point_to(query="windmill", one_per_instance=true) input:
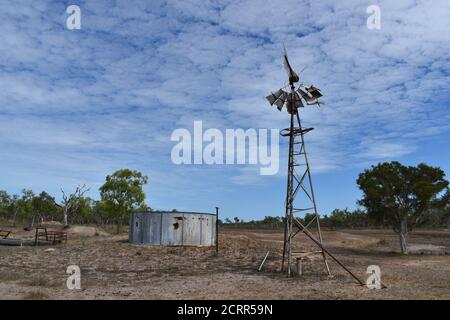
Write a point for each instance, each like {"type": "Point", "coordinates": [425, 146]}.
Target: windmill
{"type": "Point", "coordinates": [299, 181]}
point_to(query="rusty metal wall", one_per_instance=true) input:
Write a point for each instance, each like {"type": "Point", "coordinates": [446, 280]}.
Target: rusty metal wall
{"type": "Point", "coordinates": [173, 228]}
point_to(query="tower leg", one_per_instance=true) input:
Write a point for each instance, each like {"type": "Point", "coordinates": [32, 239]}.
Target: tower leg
{"type": "Point", "coordinates": [323, 252]}
{"type": "Point", "coordinates": [287, 220]}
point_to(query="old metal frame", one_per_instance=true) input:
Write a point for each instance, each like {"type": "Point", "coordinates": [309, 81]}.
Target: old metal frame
{"type": "Point", "coordinates": [296, 182]}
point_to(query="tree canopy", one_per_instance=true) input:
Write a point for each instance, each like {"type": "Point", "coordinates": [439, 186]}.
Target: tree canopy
{"type": "Point", "coordinates": [123, 192]}
{"type": "Point", "coordinates": [400, 196]}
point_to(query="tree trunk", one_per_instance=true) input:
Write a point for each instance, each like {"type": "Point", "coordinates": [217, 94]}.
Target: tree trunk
{"type": "Point", "coordinates": [119, 226]}
{"type": "Point", "coordinates": [14, 218]}
{"type": "Point", "coordinates": [404, 236]}
{"type": "Point", "coordinates": [65, 218]}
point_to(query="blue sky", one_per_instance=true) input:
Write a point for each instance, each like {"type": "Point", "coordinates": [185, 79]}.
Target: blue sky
{"type": "Point", "coordinates": [76, 105]}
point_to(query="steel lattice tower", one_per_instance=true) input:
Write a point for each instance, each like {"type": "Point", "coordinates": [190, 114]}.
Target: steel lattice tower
{"type": "Point", "coordinates": [298, 180]}
{"type": "Point", "coordinates": [300, 197]}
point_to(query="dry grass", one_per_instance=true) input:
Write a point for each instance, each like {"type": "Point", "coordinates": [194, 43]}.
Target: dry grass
{"type": "Point", "coordinates": [40, 281]}
{"type": "Point", "coordinates": [7, 276]}
{"type": "Point", "coordinates": [35, 295]}
{"type": "Point", "coordinates": [111, 268]}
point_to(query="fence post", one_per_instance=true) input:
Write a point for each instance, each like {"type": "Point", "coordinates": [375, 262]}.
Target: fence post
{"type": "Point", "coordinates": [217, 230]}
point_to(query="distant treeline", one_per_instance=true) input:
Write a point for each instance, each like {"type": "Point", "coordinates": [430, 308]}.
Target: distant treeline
{"type": "Point", "coordinates": [396, 196]}
{"type": "Point", "coordinates": [120, 195]}
{"type": "Point", "coordinates": [30, 209]}
{"type": "Point", "coordinates": [342, 219]}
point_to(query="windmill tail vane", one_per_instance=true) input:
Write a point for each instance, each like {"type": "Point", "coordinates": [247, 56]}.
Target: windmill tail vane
{"type": "Point", "coordinates": [293, 76]}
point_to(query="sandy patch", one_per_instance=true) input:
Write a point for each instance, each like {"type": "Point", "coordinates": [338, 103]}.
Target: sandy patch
{"type": "Point", "coordinates": [86, 231]}
{"type": "Point", "coordinates": [426, 249]}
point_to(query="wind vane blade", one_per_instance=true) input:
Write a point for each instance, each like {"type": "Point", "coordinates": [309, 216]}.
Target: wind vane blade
{"type": "Point", "coordinates": [293, 76]}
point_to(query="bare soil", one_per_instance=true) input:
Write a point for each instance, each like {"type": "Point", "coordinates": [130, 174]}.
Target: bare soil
{"type": "Point", "coordinates": [112, 268]}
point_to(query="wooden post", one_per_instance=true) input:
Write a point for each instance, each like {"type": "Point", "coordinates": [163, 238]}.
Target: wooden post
{"type": "Point", "coordinates": [217, 230]}
{"type": "Point", "coordinates": [264, 261]}
{"type": "Point", "coordinates": [299, 266]}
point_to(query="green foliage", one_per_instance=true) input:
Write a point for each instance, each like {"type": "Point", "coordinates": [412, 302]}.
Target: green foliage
{"type": "Point", "coordinates": [44, 207]}
{"type": "Point", "coordinates": [400, 196]}
{"type": "Point", "coordinates": [103, 212]}
{"type": "Point", "coordinates": [122, 193]}
{"type": "Point", "coordinates": [307, 218]}
{"type": "Point", "coordinates": [5, 205]}
{"type": "Point", "coordinates": [83, 210]}
{"type": "Point", "coordinates": [393, 192]}
{"type": "Point", "coordinates": [388, 189]}
{"type": "Point", "coordinates": [347, 219]}
{"type": "Point", "coordinates": [274, 222]}
{"type": "Point", "coordinates": [28, 207]}
{"type": "Point", "coordinates": [71, 202]}
{"type": "Point", "coordinates": [24, 205]}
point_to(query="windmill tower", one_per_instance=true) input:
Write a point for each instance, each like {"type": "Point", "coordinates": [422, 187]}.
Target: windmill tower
{"type": "Point", "coordinates": [300, 198]}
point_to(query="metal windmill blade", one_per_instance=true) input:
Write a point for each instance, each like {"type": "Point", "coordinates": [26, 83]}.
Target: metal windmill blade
{"type": "Point", "coordinates": [311, 95]}
{"type": "Point", "coordinates": [306, 96]}
{"type": "Point", "coordinates": [278, 98]}
{"type": "Point", "coordinates": [279, 103]}
{"type": "Point", "coordinates": [274, 96]}
{"type": "Point", "coordinates": [318, 103]}
{"type": "Point", "coordinates": [271, 98]}
{"type": "Point", "coordinates": [281, 100]}
{"type": "Point", "coordinates": [315, 92]}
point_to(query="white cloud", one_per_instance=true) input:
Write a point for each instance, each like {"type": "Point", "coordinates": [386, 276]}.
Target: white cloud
{"type": "Point", "coordinates": [136, 72]}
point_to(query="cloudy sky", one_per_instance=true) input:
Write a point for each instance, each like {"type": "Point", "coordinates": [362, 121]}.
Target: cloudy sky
{"type": "Point", "coordinates": [76, 105]}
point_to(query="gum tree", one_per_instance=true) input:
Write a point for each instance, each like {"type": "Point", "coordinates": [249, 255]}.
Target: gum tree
{"type": "Point", "coordinates": [24, 207]}
{"type": "Point", "coordinates": [122, 193]}
{"type": "Point", "coordinates": [446, 211]}
{"type": "Point", "coordinates": [5, 204]}
{"type": "Point", "coordinates": [400, 195]}
{"type": "Point", "coordinates": [43, 206]}
{"type": "Point", "coordinates": [71, 202]}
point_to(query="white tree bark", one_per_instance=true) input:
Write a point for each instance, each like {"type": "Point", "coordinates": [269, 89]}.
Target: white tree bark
{"type": "Point", "coordinates": [404, 236]}
{"type": "Point", "coordinates": [15, 215]}
{"type": "Point", "coordinates": [70, 202]}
